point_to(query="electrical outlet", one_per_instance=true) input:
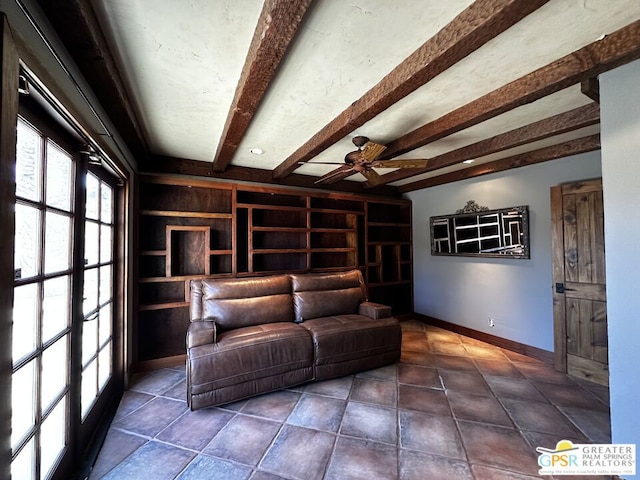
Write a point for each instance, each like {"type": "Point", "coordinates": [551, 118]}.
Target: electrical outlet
{"type": "Point", "coordinates": [492, 323]}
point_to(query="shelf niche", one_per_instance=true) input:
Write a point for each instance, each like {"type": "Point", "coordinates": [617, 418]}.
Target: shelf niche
{"type": "Point", "coordinates": [188, 250]}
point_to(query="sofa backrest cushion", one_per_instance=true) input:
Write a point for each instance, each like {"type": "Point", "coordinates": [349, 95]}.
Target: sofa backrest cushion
{"type": "Point", "coordinates": [242, 302]}
{"type": "Point", "coordinates": [324, 294]}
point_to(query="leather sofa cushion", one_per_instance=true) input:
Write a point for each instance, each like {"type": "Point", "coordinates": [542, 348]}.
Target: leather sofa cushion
{"type": "Point", "coordinates": [250, 353]}
{"type": "Point", "coordinates": [326, 294]}
{"type": "Point", "coordinates": [242, 302]}
{"type": "Point", "coordinates": [343, 338]}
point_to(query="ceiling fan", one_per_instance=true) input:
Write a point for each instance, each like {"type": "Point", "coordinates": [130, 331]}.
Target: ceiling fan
{"type": "Point", "coordinates": [364, 161]}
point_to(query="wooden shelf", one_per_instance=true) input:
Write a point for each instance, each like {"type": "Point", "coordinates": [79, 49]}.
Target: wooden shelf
{"type": "Point", "coordinates": [153, 253]}
{"type": "Point", "coordinates": [183, 214]}
{"type": "Point", "coordinates": [162, 306]}
{"type": "Point", "coordinates": [280, 229]}
{"type": "Point", "coordinates": [264, 251]}
{"type": "Point", "coordinates": [332, 210]}
{"type": "Point", "coordinates": [255, 206]}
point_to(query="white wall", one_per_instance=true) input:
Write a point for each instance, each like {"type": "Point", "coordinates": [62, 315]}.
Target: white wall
{"type": "Point", "coordinates": [620, 117]}
{"type": "Point", "coordinates": [516, 293]}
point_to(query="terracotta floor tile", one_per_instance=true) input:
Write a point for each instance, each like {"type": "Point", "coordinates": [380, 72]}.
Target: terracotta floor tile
{"type": "Point", "coordinates": [484, 352]}
{"type": "Point", "coordinates": [153, 460]}
{"type": "Point", "coordinates": [214, 469]}
{"type": "Point", "coordinates": [397, 421]}
{"type": "Point", "coordinates": [388, 373]}
{"type": "Point", "coordinates": [469, 382]}
{"type": "Point", "coordinates": [374, 391]}
{"type": "Point", "coordinates": [274, 406]}
{"type": "Point", "coordinates": [570, 396]}
{"type": "Point", "coordinates": [514, 388]}
{"type": "Point", "coordinates": [423, 400]}
{"type": "Point", "coordinates": [421, 466]}
{"type": "Point", "coordinates": [157, 381]}
{"type": "Point", "coordinates": [539, 417]}
{"type": "Point", "coordinates": [354, 458]}
{"type": "Point", "coordinates": [244, 439]}
{"type": "Point", "coordinates": [595, 424]}
{"type": "Point", "coordinates": [422, 376]}
{"type": "Point", "coordinates": [299, 453]}
{"type": "Point", "coordinates": [481, 472]}
{"type": "Point", "coordinates": [115, 449]}
{"type": "Point", "coordinates": [131, 401]}
{"type": "Point", "coordinates": [430, 434]}
{"type": "Point", "coordinates": [478, 408]}
{"type": "Point", "coordinates": [455, 363]}
{"type": "Point", "coordinates": [194, 430]}
{"type": "Point", "coordinates": [370, 422]}
{"type": "Point", "coordinates": [336, 387]}
{"type": "Point", "coordinates": [543, 373]}
{"type": "Point", "coordinates": [442, 336]}
{"type": "Point", "coordinates": [417, 358]}
{"type": "Point", "coordinates": [446, 348]}
{"type": "Point", "coordinates": [489, 366]}
{"type": "Point", "coordinates": [499, 447]}
{"type": "Point", "coordinates": [319, 413]}
{"type": "Point", "coordinates": [152, 417]}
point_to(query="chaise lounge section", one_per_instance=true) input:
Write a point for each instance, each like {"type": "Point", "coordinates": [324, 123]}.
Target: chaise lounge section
{"type": "Point", "coordinates": [254, 335]}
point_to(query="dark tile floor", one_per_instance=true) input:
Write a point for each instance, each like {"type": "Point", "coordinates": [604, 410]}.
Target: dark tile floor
{"type": "Point", "coordinates": [452, 408]}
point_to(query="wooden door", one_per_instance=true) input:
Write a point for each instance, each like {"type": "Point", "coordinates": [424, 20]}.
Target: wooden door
{"type": "Point", "coordinates": [579, 298]}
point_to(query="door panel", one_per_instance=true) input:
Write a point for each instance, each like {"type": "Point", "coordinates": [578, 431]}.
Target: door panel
{"type": "Point", "coordinates": [580, 319]}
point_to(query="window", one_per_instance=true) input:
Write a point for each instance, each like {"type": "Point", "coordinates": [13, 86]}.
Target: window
{"type": "Point", "coordinates": [42, 298]}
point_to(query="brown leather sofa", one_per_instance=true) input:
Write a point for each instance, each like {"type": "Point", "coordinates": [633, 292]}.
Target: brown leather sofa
{"type": "Point", "coordinates": [254, 335]}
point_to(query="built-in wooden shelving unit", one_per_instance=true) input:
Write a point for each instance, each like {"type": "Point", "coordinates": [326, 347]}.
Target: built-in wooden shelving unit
{"type": "Point", "coordinates": [191, 228]}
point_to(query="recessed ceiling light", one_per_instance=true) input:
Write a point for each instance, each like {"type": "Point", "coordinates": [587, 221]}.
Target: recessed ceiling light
{"type": "Point", "coordinates": [468, 161]}
{"type": "Point", "coordinates": [257, 151]}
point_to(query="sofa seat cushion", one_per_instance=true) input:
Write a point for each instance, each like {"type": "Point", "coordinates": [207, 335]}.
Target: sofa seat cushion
{"type": "Point", "coordinates": [248, 354]}
{"type": "Point", "coordinates": [344, 338]}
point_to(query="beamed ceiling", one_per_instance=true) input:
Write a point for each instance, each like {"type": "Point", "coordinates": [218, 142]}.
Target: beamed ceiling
{"type": "Point", "coordinates": [194, 85]}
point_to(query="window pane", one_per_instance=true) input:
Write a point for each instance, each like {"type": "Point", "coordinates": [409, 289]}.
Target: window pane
{"type": "Point", "coordinates": [25, 314]}
{"type": "Point", "coordinates": [89, 391]}
{"type": "Point", "coordinates": [54, 371]}
{"type": "Point", "coordinates": [27, 244]}
{"type": "Point", "coordinates": [105, 284]}
{"type": "Point", "coordinates": [89, 340]}
{"type": "Point", "coordinates": [90, 291]}
{"type": "Point", "coordinates": [22, 466]}
{"type": "Point", "coordinates": [104, 325]}
{"type": "Point", "coordinates": [104, 366]}
{"type": "Point", "coordinates": [55, 307]}
{"type": "Point", "coordinates": [53, 437]}
{"type": "Point", "coordinates": [105, 244]}
{"type": "Point", "coordinates": [59, 187]}
{"type": "Point", "coordinates": [90, 243]}
{"type": "Point", "coordinates": [22, 402]}
{"type": "Point", "coordinates": [56, 242]}
{"type": "Point", "coordinates": [28, 162]}
{"type": "Point", "coordinates": [106, 205]}
{"type": "Point", "coordinates": [93, 187]}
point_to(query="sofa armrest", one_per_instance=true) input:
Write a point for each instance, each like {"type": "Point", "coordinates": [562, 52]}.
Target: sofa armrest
{"type": "Point", "coordinates": [374, 310]}
{"type": "Point", "coordinates": [201, 333]}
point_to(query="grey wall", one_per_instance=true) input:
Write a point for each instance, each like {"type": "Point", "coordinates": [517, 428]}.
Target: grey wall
{"type": "Point", "coordinates": [620, 117]}
{"type": "Point", "coordinates": [516, 293]}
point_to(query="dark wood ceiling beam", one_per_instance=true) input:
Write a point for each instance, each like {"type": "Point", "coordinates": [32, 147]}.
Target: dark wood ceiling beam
{"type": "Point", "coordinates": [618, 48]}
{"type": "Point", "coordinates": [76, 23]}
{"type": "Point", "coordinates": [591, 88]}
{"type": "Point", "coordinates": [472, 28]}
{"type": "Point", "coordinates": [572, 147]}
{"type": "Point", "coordinates": [558, 124]}
{"type": "Point", "coordinates": [276, 28]}
{"type": "Point", "coordinates": [197, 168]}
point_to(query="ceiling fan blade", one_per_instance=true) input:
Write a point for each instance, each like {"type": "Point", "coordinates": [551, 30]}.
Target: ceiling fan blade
{"type": "Point", "coordinates": [373, 177]}
{"type": "Point", "coordinates": [400, 163]}
{"type": "Point", "coordinates": [371, 151]}
{"type": "Point", "coordinates": [335, 175]}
